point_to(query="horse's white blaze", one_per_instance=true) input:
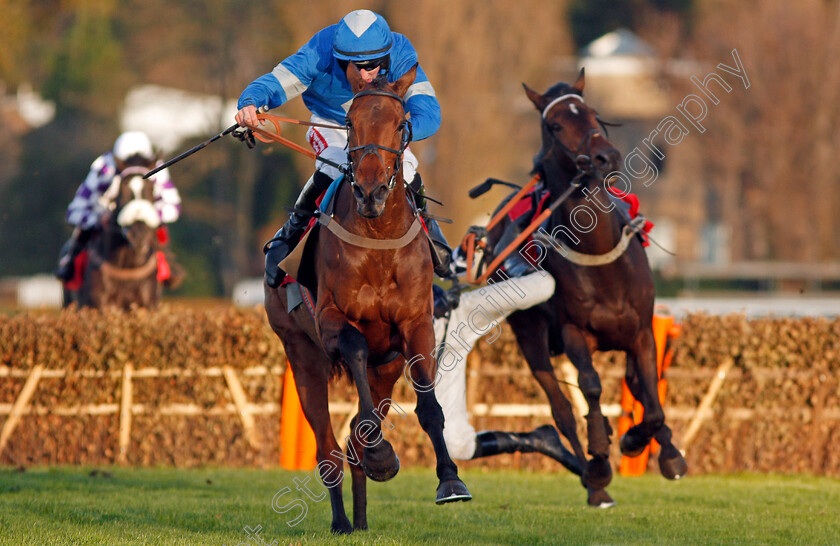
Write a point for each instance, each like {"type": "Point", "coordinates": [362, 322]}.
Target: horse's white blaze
{"type": "Point", "coordinates": [136, 186]}
{"type": "Point", "coordinates": [574, 109]}
{"type": "Point", "coordinates": [139, 210]}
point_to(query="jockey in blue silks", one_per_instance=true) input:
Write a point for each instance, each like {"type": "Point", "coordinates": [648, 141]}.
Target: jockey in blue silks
{"type": "Point", "coordinates": [318, 73]}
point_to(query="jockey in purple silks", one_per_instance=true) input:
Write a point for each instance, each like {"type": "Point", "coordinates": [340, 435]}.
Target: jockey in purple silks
{"type": "Point", "coordinates": [318, 72]}
{"type": "Point", "coordinates": [87, 208]}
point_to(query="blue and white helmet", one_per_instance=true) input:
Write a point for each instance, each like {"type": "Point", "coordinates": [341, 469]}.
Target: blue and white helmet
{"type": "Point", "coordinates": [362, 35]}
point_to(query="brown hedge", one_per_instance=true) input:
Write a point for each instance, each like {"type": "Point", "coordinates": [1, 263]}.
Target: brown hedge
{"type": "Point", "coordinates": [785, 374]}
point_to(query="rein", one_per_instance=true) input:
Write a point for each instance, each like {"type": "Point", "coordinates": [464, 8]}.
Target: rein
{"type": "Point", "coordinates": [267, 137]}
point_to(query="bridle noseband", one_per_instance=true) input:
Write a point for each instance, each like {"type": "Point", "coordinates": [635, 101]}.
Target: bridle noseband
{"type": "Point", "coordinates": [373, 149]}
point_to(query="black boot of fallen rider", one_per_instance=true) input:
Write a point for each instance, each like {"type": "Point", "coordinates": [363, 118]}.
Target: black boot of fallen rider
{"type": "Point", "coordinates": [544, 439]}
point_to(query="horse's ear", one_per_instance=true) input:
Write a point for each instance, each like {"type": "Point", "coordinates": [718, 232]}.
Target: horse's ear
{"type": "Point", "coordinates": [401, 85]}
{"type": "Point", "coordinates": [539, 101]}
{"type": "Point", "coordinates": [579, 82]}
{"type": "Point", "coordinates": [354, 76]}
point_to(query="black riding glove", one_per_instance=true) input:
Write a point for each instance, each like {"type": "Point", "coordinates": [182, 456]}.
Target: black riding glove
{"type": "Point", "coordinates": [245, 135]}
{"type": "Point", "coordinates": [446, 300]}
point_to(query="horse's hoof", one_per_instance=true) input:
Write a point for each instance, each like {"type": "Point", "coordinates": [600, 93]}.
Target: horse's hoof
{"type": "Point", "coordinates": [672, 464]}
{"type": "Point", "coordinates": [341, 527]}
{"type": "Point", "coordinates": [599, 498]}
{"type": "Point", "coordinates": [632, 445]}
{"type": "Point", "coordinates": [598, 473]}
{"type": "Point", "coordinates": [452, 491]}
{"type": "Point", "coordinates": [381, 463]}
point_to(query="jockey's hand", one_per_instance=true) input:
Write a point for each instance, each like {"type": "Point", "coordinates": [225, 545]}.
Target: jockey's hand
{"type": "Point", "coordinates": [453, 295]}
{"type": "Point", "coordinates": [247, 116]}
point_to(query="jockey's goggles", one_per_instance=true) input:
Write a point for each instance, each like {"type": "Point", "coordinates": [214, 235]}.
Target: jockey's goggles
{"type": "Point", "coordinates": [369, 64]}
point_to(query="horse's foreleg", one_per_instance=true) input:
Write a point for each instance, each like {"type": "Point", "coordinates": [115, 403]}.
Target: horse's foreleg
{"type": "Point", "coordinates": [420, 370]}
{"type": "Point", "coordinates": [339, 337]}
{"type": "Point", "coordinates": [642, 379]}
{"type": "Point", "coordinates": [598, 472]}
{"type": "Point", "coordinates": [312, 371]}
{"type": "Point", "coordinates": [357, 473]}
{"type": "Point", "coordinates": [312, 386]}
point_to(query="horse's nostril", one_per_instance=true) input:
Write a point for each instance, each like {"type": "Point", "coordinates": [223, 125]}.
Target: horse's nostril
{"type": "Point", "coordinates": [381, 193]}
{"type": "Point", "coordinates": [358, 193]}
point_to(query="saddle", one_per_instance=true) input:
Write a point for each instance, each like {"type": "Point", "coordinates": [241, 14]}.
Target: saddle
{"type": "Point", "coordinates": [534, 202]}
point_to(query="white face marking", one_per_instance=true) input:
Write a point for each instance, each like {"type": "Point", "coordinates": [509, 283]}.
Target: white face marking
{"type": "Point", "coordinates": [136, 185]}
{"type": "Point", "coordinates": [573, 108]}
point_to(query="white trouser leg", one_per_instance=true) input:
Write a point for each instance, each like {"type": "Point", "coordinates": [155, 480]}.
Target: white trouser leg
{"type": "Point", "coordinates": [331, 144]}
{"type": "Point", "coordinates": [477, 315]}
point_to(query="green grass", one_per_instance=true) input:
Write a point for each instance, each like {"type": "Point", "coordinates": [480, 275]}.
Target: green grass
{"type": "Point", "coordinates": [67, 505]}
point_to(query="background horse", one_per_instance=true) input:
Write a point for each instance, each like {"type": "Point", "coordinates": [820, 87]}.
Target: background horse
{"type": "Point", "coordinates": [373, 306]}
{"type": "Point", "coordinates": [122, 260]}
{"type": "Point", "coordinates": [604, 297]}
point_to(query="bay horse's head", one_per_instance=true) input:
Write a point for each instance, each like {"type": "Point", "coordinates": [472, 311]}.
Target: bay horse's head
{"type": "Point", "coordinates": [378, 133]}
{"type": "Point", "coordinates": [572, 132]}
{"type": "Point", "coordinates": [134, 214]}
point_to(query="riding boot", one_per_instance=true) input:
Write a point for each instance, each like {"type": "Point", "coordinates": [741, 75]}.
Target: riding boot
{"type": "Point", "coordinates": [441, 251]}
{"type": "Point", "coordinates": [544, 439]}
{"type": "Point", "coordinates": [66, 260]}
{"type": "Point", "coordinates": [288, 236]}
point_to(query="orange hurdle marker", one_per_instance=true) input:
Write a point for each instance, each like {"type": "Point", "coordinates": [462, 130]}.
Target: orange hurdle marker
{"type": "Point", "coordinates": [664, 329]}
{"type": "Point", "coordinates": [297, 440]}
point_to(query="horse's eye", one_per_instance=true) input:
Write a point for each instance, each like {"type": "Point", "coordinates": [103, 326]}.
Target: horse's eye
{"type": "Point", "coordinates": [556, 127]}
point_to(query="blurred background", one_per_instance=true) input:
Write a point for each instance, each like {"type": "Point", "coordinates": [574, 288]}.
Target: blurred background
{"type": "Point", "coordinates": [751, 205]}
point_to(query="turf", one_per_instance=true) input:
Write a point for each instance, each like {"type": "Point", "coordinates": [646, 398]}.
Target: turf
{"type": "Point", "coordinates": [73, 505]}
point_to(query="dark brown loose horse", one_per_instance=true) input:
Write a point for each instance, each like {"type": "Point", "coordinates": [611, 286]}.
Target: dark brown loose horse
{"type": "Point", "coordinates": [373, 315]}
{"type": "Point", "coordinates": [604, 294]}
{"type": "Point", "coordinates": [122, 261]}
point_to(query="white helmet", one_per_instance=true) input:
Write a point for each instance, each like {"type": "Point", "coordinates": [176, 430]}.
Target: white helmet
{"type": "Point", "coordinates": [133, 143]}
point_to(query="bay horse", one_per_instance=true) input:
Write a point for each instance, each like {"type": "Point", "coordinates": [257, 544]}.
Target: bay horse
{"type": "Point", "coordinates": [604, 296]}
{"type": "Point", "coordinates": [372, 309]}
{"type": "Point", "coordinates": [122, 259]}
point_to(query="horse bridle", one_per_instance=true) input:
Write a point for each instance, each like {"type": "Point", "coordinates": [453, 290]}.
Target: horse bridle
{"type": "Point", "coordinates": [374, 149]}
{"type": "Point", "coordinates": [582, 161]}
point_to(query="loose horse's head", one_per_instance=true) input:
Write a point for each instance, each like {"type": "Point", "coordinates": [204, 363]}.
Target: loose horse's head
{"type": "Point", "coordinates": [572, 130]}
{"type": "Point", "coordinates": [134, 212]}
{"type": "Point", "coordinates": [377, 134]}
